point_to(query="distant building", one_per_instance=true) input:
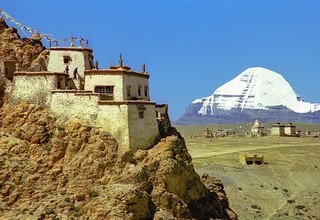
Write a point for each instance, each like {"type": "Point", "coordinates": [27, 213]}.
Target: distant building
{"type": "Point", "coordinates": [116, 99]}
{"type": "Point", "coordinates": [249, 159]}
{"type": "Point", "coordinates": [208, 133]}
{"type": "Point", "coordinates": [279, 129]}
{"type": "Point", "coordinates": [290, 129]}
{"type": "Point", "coordinates": [257, 129]}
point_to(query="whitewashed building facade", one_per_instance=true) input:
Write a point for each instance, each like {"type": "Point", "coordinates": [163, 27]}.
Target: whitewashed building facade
{"type": "Point", "coordinates": [116, 99]}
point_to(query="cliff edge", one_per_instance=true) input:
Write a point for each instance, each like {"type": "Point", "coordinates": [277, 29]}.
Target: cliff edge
{"type": "Point", "coordinates": [29, 53]}
{"type": "Point", "coordinates": [55, 170]}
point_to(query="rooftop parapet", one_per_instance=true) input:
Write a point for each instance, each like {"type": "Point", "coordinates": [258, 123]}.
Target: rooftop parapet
{"type": "Point", "coordinates": [116, 71]}
{"type": "Point", "coordinates": [39, 73]}
{"type": "Point", "coordinates": [71, 49]}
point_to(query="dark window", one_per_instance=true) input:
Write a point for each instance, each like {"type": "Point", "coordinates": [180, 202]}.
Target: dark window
{"type": "Point", "coordinates": [139, 90]}
{"type": "Point", "coordinates": [249, 162]}
{"type": "Point", "coordinates": [140, 114]}
{"type": "Point", "coordinates": [66, 59]}
{"type": "Point", "coordinates": [128, 91]}
{"type": "Point", "coordinates": [146, 91]}
{"type": "Point", "coordinates": [104, 90]}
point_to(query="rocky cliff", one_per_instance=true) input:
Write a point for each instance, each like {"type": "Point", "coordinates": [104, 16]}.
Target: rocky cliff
{"type": "Point", "coordinates": [53, 169]}
{"type": "Point", "coordinates": [29, 53]}
{"type": "Point", "coordinates": [68, 170]}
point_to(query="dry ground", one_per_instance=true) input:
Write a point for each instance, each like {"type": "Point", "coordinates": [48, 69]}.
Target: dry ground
{"type": "Point", "coordinates": [286, 187]}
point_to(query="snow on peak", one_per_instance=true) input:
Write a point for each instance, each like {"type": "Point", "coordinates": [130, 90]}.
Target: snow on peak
{"type": "Point", "coordinates": [198, 100]}
{"type": "Point", "coordinates": [255, 88]}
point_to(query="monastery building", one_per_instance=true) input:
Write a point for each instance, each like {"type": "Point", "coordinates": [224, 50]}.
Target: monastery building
{"type": "Point", "coordinates": [116, 99]}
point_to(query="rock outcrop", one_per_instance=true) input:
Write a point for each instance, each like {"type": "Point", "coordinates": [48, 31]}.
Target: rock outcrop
{"type": "Point", "coordinates": [5, 85]}
{"type": "Point", "coordinates": [54, 169]}
{"type": "Point", "coordinates": [25, 51]}
{"type": "Point", "coordinates": [51, 169]}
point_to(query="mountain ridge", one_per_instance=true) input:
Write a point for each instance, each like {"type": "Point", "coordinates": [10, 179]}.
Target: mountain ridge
{"type": "Point", "coordinates": [255, 91]}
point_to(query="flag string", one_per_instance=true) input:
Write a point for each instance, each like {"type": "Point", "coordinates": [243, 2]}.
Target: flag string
{"type": "Point", "coordinates": [48, 37]}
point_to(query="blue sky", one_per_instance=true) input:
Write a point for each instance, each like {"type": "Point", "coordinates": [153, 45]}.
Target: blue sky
{"type": "Point", "coordinates": [190, 47]}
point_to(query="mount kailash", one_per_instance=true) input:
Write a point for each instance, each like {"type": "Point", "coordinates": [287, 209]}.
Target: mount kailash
{"type": "Point", "coordinates": [255, 91]}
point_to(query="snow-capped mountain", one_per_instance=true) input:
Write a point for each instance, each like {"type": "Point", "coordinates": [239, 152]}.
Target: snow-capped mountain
{"type": "Point", "coordinates": [256, 90]}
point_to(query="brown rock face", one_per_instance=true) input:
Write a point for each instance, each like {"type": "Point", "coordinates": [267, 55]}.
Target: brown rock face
{"type": "Point", "coordinates": [25, 50]}
{"type": "Point", "coordinates": [68, 170]}
{"type": "Point", "coordinates": [4, 83]}
{"type": "Point", "coordinates": [55, 170]}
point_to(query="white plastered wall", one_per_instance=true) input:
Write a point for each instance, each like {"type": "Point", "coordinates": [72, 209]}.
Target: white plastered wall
{"type": "Point", "coordinates": [79, 59]}
{"type": "Point", "coordinates": [142, 131]}
{"type": "Point", "coordinates": [70, 105]}
{"type": "Point", "coordinates": [106, 80]}
{"type": "Point", "coordinates": [121, 121]}
{"type": "Point", "coordinates": [33, 89]}
{"type": "Point", "coordinates": [114, 119]}
{"type": "Point", "coordinates": [134, 82]}
{"type": "Point", "coordinates": [111, 118]}
{"type": "Point", "coordinates": [275, 131]}
{"type": "Point", "coordinates": [289, 130]}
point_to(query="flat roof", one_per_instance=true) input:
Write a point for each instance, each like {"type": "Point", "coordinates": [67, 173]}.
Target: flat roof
{"type": "Point", "coordinates": [118, 71]}
{"type": "Point", "coordinates": [71, 49]}
{"type": "Point", "coordinates": [74, 91]}
{"type": "Point", "coordinates": [126, 102]}
{"type": "Point", "coordinates": [282, 125]}
{"type": "Point", "coordinates": [161, 105]}
{"type": "Point", "coordinates": [39, 73]}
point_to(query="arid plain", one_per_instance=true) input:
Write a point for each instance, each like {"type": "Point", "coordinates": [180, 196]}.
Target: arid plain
{"type": "Point", "coordinates": [286, 186]}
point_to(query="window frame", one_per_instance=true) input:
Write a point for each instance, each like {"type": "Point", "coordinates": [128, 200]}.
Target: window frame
{"type": "Point", "coordinates": [105, 89]}
{"type": "Point", "coordinates": [105, 95]}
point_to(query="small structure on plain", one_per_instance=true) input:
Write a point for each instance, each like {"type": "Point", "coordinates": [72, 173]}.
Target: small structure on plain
{"type": "Point", "coordinates": [249, 159]}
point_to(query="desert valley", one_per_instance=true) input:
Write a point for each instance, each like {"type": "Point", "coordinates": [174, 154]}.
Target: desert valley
{"type": "Point", "coordinates": [284, 187]}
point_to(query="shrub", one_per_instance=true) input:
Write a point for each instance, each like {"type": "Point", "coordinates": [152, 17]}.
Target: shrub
{"type": "Point", "coordinates": [94, 193]}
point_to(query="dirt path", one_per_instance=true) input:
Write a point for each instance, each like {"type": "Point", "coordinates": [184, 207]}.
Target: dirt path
{"type": "Point", "coordinates": [231, 151]}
